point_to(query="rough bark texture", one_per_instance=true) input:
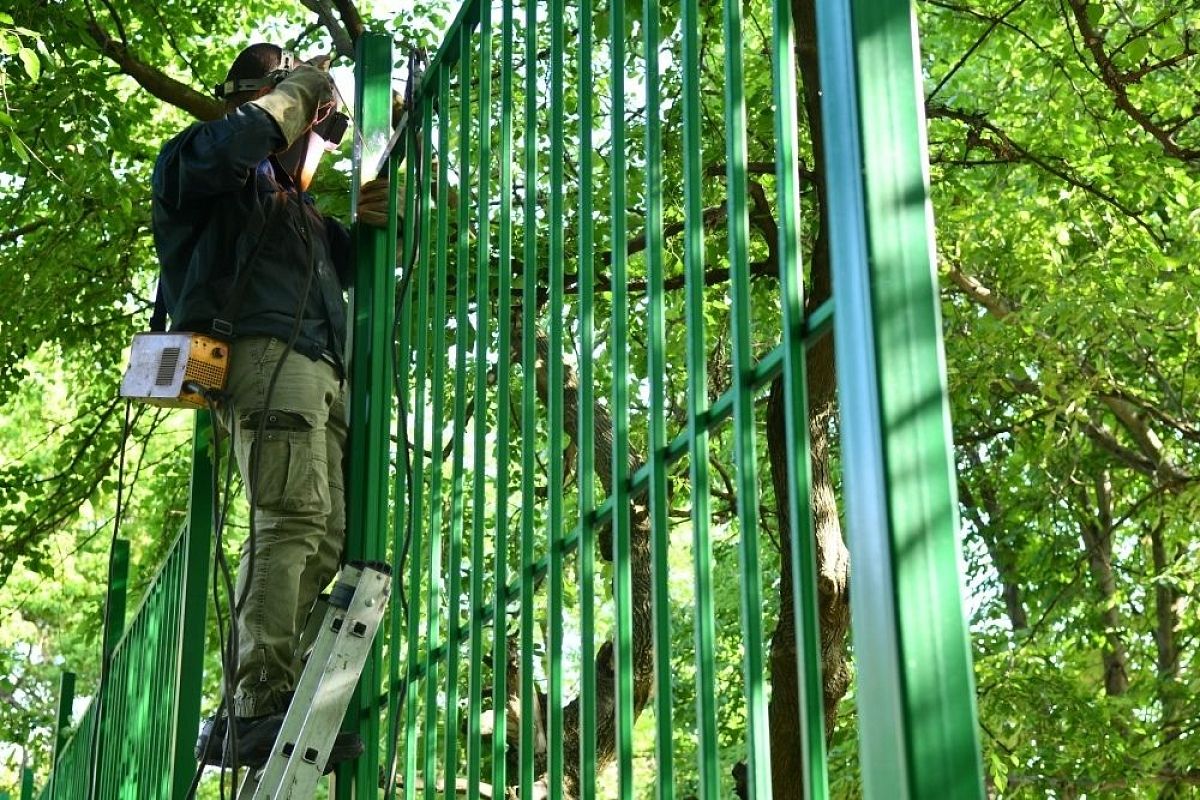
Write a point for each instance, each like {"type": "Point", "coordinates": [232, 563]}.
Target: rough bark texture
{"type": "Point", "coordinates": [1097, 536]}
{"type": "Point", "coordinates": [787, 755]}
{"type": "Point", "coordinates": [1172, 696]}
{"type": "Point", "coordinates": [643, 627]}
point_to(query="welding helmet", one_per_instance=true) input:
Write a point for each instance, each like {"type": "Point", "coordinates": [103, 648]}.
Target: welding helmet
{"type": "Point", "coordinates": [301, 160]}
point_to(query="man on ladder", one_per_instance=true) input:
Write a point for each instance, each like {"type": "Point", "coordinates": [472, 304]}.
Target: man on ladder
{"type": "Point", "coordinates": [246, 256]}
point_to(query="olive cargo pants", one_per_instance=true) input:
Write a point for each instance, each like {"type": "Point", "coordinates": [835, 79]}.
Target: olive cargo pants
{"type": "Point", "coordinates": [294, 479]}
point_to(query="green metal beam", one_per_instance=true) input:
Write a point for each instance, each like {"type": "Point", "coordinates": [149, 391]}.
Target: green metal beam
{"type": "Point", "coordinates": [66, 698]}
{"type": "Point", "coordinates": [480, 477]}
{"type": "Point", "coordinates": [619, 349]}
{"type": "Point", "coordinates": [114, 627]}
{"type": "Point", "coordinates": [656, 334]}
{"type": "Point", "coordinates": [193, 610]}
{"type": "Point", "coordinates": [916, 699]}
{"type": "Point", "coordinates": [791, 278]}
{"type": "Point", "coordinates": [370, 401]}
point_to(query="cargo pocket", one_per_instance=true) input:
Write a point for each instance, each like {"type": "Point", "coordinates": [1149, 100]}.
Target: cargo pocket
{"type": "Point", "coordinates": [291, 474]}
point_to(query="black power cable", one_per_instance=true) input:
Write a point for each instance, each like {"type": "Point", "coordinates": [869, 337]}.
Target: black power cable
{"type": "Point", "coordinates": [415, 57]}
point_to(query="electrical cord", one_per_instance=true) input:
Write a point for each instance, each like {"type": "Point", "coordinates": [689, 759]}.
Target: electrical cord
{"type": "Point", "coordinates": [413, 249]}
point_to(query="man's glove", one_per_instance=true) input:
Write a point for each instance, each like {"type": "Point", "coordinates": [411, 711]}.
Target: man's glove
{"type": "Point", "coordinates": [373, 202]}
{"type": "Point", "coordinates": [293, 103]}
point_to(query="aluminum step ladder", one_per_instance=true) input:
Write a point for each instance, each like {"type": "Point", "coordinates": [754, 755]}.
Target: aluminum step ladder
{"type": "Point", "coordinates": [301, 751]}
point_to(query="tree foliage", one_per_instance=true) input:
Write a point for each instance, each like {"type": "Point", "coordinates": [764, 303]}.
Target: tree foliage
{"type": "Point", "coordinates": [1065, 150]}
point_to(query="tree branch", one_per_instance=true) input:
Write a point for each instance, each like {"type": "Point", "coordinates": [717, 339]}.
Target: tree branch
{"type": "Point", "coordinates": [1118, 81]}
{"type": "Point", "coordinates": [342, 41]}
{"type": "Point", "coordinates": [1004, 148]}
{"type": "Point", "coordinates": [155, 81]}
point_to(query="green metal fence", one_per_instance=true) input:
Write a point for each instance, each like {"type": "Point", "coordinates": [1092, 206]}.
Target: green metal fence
{"type": "Point", "coordinates": [569, 336]}
{"type": "Point", "coordinates": [135, 739]}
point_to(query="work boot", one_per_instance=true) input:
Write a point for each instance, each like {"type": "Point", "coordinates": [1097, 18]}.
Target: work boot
{"type": "Point", "coordinates": [255, 738]}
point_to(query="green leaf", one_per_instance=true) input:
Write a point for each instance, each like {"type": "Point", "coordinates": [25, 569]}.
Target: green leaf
{"type": "Point", "coordinates": [1095, 12]}
{"type": "Point", "coordinates": [1138, 48]}
{"type": "Point", "coordinates": [18, 146]}
{"type": "Point", "coordinates": [30, 61]}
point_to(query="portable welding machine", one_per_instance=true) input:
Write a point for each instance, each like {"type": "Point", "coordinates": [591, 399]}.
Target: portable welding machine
{"type": "Point", "coordinates": [175, 370]}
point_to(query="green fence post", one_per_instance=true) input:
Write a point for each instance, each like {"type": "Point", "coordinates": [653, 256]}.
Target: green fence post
{"type": "Point", "coordinates": [479, 453]}
{"type": "Point", "coordinates": [189, 648]}
{"type": "Point", "coordinates": [585, 406]}
{"type": "Point", "coordinates": [370, 401]}
{"type": "Point", "coordinates": [114, 625]}
{"type": "Point", "coordinates": [528, 403]}
{"type": "Point", "coordinates": [916, 699]}
{"type": "Point", "coordinates": [697, 354]}
{"type": "Point", "coordinates": [66, 699]}
{"type": "Point", "coordinates": [503, 401]}
{"type": "Point", "coordinates": [622, 534]}
{"type": "Point", "coordinates": [26, 784]}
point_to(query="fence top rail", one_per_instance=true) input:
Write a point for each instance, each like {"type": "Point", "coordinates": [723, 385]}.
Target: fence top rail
{"type": "Point", "coordinates": [145, 598]}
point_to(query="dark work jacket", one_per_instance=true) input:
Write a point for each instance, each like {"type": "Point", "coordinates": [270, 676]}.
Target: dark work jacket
{"type": "Point", "coordinates": [220, 205]}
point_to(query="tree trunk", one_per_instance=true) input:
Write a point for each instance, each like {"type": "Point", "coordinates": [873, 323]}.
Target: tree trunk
{"type": "Point", "coordinates": [1097, 536]}
{"type": "Point", "coordinates": [1172, 697]}
{"type": "Point", "coordinates": [643, 624]}
{"type": "Point", "coordinates": [833, 564]}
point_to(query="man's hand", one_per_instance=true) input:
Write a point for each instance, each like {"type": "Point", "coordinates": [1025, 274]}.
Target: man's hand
{"type": "Point", "coordinates": [373, 202]}
{"type": "Point", "coordinates": [293, 103]}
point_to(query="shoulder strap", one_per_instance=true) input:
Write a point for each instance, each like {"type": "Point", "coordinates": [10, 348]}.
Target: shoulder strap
{"type": "Point", "coordinates": [158, 317]}
{"type": "Point", "coordinates": [222, 324]}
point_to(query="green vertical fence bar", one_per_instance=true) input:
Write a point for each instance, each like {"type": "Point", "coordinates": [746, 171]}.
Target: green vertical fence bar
{"type": "Point", "coordinates": [697, 356]}
{"type": "Point", "coordinates": [656, 335]}
{"type": "Point", "coordinates": [114, 626]}
{"type": "Point", "coordinates": [618, 348]}
{"type": "Point", "coordinates": [917, 721]}
{"type": "Point", "coordinates": [586, 424]}
{"type": "Point", "coordinates": [758, 756]}
{"type": "Point", "coordinates": [503, 403]}
{"type": "Point", "coordinates": [26, 784]}
{"type": "Point", "coordinates": [422, 285]}
{"type": "Point", "coordinates": [462, 291]}
{"type": "Point", "coordinates": [62, 727]}
{"type": "Point", "coordinates": [554, 406]}
{"type": "Point", "coordinates": [193, 608]}
{"type": "Point", "coordinates": [804, 575]}
{"type": "Point", "coordinates": [433, 634]}
{"type": "Point", "coordinates": [406, 482]}
{"type": "Point", "coordinates": [370, 402]}
{"type": "Point", "coordinates": [528, 418]}
{"type": "Point", "coordinates": [478, 467]}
